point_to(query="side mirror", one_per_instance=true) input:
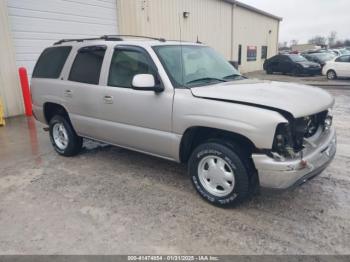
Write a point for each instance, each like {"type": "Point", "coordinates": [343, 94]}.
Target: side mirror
{"type": "Point", "coordinates": [234, 64]}
{"type": "Point", "coordinates": [145, 82]}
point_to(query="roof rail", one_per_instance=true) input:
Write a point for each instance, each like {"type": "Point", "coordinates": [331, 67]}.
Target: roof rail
{"type": "Point", "coordinates": [107, 38]}
{"type": "Point", "coordinates": [112, 37]}
{"type": "Point", "coordinates": [75, 40]}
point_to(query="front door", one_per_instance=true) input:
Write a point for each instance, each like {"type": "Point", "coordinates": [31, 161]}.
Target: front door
{"type": "Point", "coordinates": [141, 120]}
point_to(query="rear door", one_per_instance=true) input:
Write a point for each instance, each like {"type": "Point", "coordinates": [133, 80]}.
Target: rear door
{"type": "Point", "coordinates": [81, 90]}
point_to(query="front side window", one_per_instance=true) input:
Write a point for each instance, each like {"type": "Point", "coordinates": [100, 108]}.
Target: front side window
{"type": "Point", "coordinates": [191, 65]}
{"type": "Point", "coordinates": [87, 65]}
{"type": "Point", "coordinates": [125, 65]}
{"type": "Point", "coordinates": [51, 62]}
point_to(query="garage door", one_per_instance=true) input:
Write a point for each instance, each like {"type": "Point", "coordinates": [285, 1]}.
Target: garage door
{"type": "Point", "coordinates": [36, 24]}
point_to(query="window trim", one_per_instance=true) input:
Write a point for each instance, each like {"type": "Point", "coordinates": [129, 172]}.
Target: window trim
{"type": "Point", "coordinates": [262, 51]}
{"type": "Point", "coordinates": [337, 60]}
{"type": "Point", "coordinates": [82, 50]}
{"type": "Point", "coordinates": [65, 62]}
{"type": "Point", "coordinates": [133, 48]}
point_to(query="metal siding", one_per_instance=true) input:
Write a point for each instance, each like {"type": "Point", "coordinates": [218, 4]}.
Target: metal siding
{"type": "Point", "coordinates": [252, 29]}
{"type": "Point", "coordinates": [209, 20]}
{"type": "Point", "coordinates": [10, 91]}
{"type": "Point", "coordinates": [36, 24]}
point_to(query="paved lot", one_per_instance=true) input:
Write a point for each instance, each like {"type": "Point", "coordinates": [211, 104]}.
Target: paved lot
{"type": "Point", "coordinates": [308, 80]}
{"type": "Point", "coordinates": [113, 201]}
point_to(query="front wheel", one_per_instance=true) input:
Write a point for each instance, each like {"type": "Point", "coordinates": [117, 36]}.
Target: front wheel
{"type": "Point", "coordinates": [219, 174]}
{"type": "Point", "coordinates": [63, 137]}
{"type": "Point", "coordinates": [331, 75]}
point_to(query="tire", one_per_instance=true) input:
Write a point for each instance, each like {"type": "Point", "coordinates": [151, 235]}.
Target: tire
{"type": "Point", "coordinates": [63, 137]}
{"type": "Point", "coordinates": [331, 75]}
{"type": "Point", "coordinates": [216, 187]}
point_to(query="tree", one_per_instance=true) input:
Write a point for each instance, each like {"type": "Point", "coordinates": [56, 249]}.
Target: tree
{"type": "Point", "coordinates": [318, 40]}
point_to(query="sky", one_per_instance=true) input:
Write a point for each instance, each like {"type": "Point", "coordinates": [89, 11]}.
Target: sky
{"type": "Point", "coordinates": [303, 19]}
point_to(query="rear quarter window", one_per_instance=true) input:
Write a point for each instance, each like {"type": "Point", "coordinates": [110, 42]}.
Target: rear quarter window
{"type": "Point", "coordinates": [51, 62]}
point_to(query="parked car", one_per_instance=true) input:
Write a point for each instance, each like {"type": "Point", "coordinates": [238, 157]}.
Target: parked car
{"type": "Point", "coordinates": [291, 64]}
{"type": "Point", "coordinates": [338, 67]}
{"type": "Point", "coordinates": [340, 52]}
{"type": "Point", "coordinates": [184, 103]}
{"type": "Point", "coordinates": [320, 58]}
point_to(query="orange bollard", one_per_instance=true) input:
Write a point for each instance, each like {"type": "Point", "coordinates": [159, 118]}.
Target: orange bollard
{"type": "Point", "coordinates": [25, 90]}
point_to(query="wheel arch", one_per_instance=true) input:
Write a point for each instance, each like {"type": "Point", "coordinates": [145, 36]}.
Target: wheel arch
{"type": "Point", "coordinates": [50, 109]}
{"type": "Point", "coordinates": [193, 136]}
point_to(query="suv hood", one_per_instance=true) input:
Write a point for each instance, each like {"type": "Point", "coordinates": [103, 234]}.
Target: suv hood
{"type": "Point", "coordinates": [299, 100]}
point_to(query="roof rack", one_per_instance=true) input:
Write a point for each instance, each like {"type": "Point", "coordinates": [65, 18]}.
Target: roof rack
{"type": "Point", "coordinates": [107, 38]}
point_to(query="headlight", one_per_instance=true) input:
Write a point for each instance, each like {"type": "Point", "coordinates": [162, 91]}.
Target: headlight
{"type": "Point", "coordinates": [306, 66]}
{"type": "Point", "coordinates": [283, 144]}
{"type": "Point", "coordinates": [329, 120]}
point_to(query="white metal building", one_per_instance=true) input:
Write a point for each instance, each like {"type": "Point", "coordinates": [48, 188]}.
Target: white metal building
{"type": "Point", "coordinates": [238, 31]}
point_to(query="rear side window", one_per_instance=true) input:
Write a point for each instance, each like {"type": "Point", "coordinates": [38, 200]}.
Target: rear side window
{"type": "Point", "coordinates": [51, 62]}
{"type": "Point", "coordinates": [87, 65]}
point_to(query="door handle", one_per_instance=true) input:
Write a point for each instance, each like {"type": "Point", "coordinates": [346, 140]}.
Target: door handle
{"type": "Point", "coordinates": [108, 99]}
{"type": "Point", "coordinates": [68, 93]}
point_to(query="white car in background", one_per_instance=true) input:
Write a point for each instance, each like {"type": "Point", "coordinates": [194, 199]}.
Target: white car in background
{"type": "Point", "coordinates": [338, 67]}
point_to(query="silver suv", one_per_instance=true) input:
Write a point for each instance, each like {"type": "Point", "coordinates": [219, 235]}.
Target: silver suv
{"type": "Point", "coordinates": [184, 102]}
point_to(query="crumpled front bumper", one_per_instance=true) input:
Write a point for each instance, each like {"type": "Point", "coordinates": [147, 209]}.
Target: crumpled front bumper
{"type": "Point", "coordinates": [285, 174]}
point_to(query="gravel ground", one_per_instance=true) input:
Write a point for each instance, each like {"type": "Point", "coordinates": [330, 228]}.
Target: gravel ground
{"type": "Point", "coordinates": [109, 200]}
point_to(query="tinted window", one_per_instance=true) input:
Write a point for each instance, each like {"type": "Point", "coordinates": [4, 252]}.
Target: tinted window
{"type": "Point", "coordinates": [125, 65]}
{"type": "Point", "coordinates": [284, 59]}
{"type": "Point", "coordinates": [87, 65]}
{"type": "Point", "coordinates": [297, 58]}
{"type": "Point", "coordinates": [51, 62]}
{"type": "Point", "coordinates": [343, 59]}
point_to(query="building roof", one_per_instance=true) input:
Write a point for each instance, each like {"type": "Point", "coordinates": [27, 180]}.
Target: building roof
{"type": "Point", "coordinates": [253, 9]}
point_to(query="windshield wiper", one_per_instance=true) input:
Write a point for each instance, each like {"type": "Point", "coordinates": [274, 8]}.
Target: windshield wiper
{"type": "Point", "coordinates": [206, 79]}
{"type": "Point", "coordinates": [234, 76]}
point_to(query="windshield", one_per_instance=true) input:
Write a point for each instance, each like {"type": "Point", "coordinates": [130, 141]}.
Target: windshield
{"type": "Point", "coordinates": [192, 65]}
{"type": "Point", "coordinates": [297, 58]}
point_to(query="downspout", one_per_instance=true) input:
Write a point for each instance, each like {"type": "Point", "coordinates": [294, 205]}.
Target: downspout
{"type": "Point", "coordinates": [232, 30]}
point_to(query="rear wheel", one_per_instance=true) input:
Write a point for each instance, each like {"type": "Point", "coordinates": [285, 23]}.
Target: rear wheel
{"type": "Point", "coordinates": [331, 75]}
{"type": "Point", "coordinates": [219, 173]}
{"type": "Point", "coordinates": [63, 137]}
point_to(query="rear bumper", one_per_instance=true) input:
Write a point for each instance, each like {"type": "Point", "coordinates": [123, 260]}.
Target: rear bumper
{"type": "Point", "coordinates": [285, 174]}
